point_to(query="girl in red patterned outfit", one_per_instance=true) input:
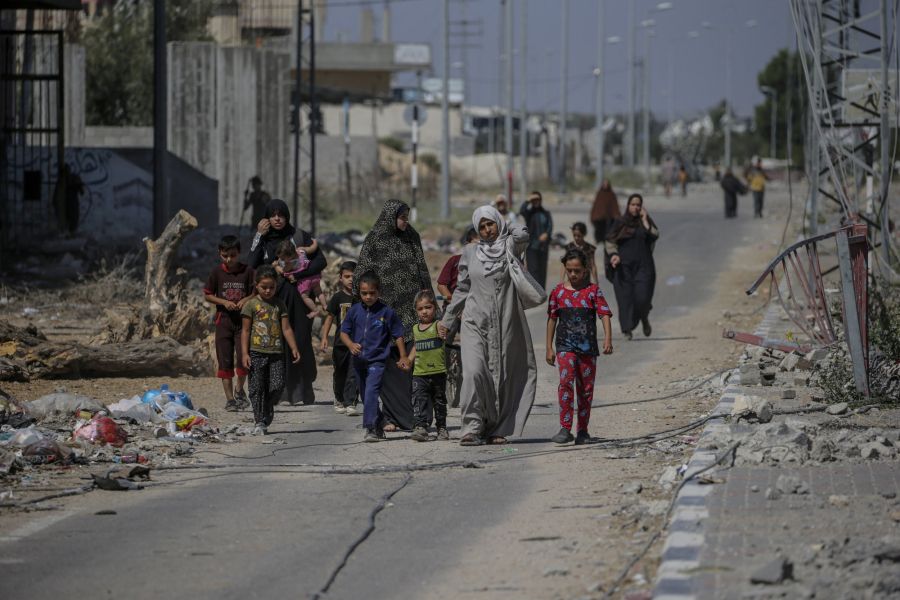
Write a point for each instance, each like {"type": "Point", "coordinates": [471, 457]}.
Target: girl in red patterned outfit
{"type": "Point", "coordinates": [573, 305]}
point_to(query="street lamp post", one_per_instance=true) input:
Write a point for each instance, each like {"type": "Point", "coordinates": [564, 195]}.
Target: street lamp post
{"type": "Point", "coordinates": [671, 92]}
{"type": "Point", "coordinates": [599, 73]}
{"type": "Point", "coordinates": [773, 95]}
{"type": "Point", "coordinates": [648, 33]}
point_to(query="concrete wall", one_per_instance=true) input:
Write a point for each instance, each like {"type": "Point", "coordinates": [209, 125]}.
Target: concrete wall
{"type": "Point", "coordinates": [330, 158]}
{"type": "Point", "coordinates": [73, 74]}
{"type": "Point", "coordinates": [191, 81]}
{"type": "Point", "coordinates": [117, 137]}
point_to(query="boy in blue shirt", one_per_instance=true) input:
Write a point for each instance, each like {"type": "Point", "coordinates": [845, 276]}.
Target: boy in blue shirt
{"type": "Point", "coordinates": [367, 331]}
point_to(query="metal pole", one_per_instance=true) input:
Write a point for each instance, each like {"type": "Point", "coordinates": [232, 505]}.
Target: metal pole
{"type": "Point", "coordinates": [774, 117]}
{"type": "Point", "coordinates": [160, 141]}
{"type": "Point", "coordinates": [314, 125]}
{"type": "Point", "coordinates": [445, 118]}
{"type": "Point", "coordinates": [600, 46]}
{"type": "Point", "coordinates": [297, 95]}
{"type": "Point", "coordinates": [885, 135]}
{"type": "Point", "coordinates": [414, 213]}
{"type": "Point", "coordinates": [671, 81]}
{"type": "Point", "coordinates": [814, 153]}
{"type": "Point", "coordinates": [728, 104]}
{"type": "Point", "coordinates": [508, 133]}
{"type": "Point", "coordinates": [646, 119]}
{"type": "Point", "coordinates": [629, 135]}
{"type": "Point", "coordinates": [563, 113]}
{"type": "Point", "coordinates": [523, 131]}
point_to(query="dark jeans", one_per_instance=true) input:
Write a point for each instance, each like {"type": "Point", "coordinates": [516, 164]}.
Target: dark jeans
{"type": "Point", "coordinates": [344, 381]}
{"type": "Point", "coordinates": [266, 384]}
{"type": "Point", "coordinates": [758, 203]}
{"type": "Point", "coordinates": [601, 228]}
{"type": "Point", "coordinates": [430, 395]}
{"type": "Point", "coordinates": [368, 376]}
{"type": "Point", "coordinates": [536, 263]}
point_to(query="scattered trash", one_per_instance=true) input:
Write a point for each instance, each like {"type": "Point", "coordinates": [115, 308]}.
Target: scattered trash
{"type": "Point", "coordinates": [101, 429]}
{"type": "Point", "coordinates": [25, 437]}
{"type": "Point", "coordinates": [49, 448]}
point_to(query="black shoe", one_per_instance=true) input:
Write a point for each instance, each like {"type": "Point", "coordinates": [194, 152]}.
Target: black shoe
{"type": "Point", "coordinates": [582, 437]}
{"type": "Point", "coordinates": [646, 323]}
{"type": "Point", "coordinates": [564, 436]}
{"type": "Point", "coordinates": [371, 436]}
{"type": "Point", "coordinates": [627, 335]}
{"type": "Point", "coordinates": [243, 402]}
{"type": "Point", "coordinates": [231, 406]}
{"type": "Point", "coordinates": [419, 434]}
{"type": "Point", "coordinates": [379, 432]}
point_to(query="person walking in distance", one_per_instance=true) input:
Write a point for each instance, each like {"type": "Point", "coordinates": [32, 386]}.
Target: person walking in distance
{"type": "Point", "coordinates": [502, 206]}
{"type": "Point", "coordinates": [732, 187]}
{"type": "Point", "coordinates": [630, 247]}
{"type": "Point", "coordinates": [683, 181]}
{"type": "Point", "coordinates": [756, 177]}
{"type": "Point", "coordinates": [668, 175]}
{"type": "Point", "coordinates": [540, 228]}
{"type": "Point", "coordinates": [605, 211]}
{"type": "Point", "coordinates": [257, 199]}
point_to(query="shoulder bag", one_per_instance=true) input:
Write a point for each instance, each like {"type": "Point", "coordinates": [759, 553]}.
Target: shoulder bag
{"type": "Point", "coordinates": [530, 291]}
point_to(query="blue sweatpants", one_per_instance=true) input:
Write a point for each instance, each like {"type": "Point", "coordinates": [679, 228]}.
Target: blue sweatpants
{"type": "Point", "coordinates": [368, 378]}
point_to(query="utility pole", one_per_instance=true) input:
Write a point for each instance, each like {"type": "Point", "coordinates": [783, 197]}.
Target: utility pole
{"type": "Point", "coordinates": [629, 135]}
{"type": "Point", "coordinates": [509, 100]}
{"type": "Point", "coordinates": [523, 131]}
{"type": "Point", "coordinates": [297, 94]}
{"type": "Point", "coordinates": [314, 121]}
{"type": "Point", "coordinates": [445, 118]}
{"type": "Point", "coordinates": [648, 33]}
{"type": "Point", "coordinates": [600, 135]}
{"type": "Point", "coordinates": [815, 121]}
{"type": "Point", "coordinates": [671, 94]}
{"type": "Point", "coordinates": [728, 103]}
{"type": "Point", "coordinates": [160, 137]}
{"type": "Point", "coordinates": [563, 113]}
{"type": "Point", "coordinates": [884, 133]}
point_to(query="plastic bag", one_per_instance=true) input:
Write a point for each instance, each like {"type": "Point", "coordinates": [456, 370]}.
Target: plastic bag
{"type": "Point", "coordinates": [175, 412]}
{"type": "Point", "coordinates": [25, 437]}
{"type": "Point", "coordinates": [163, 396]}
{"type": "Point", "coordinates": [48, 447]}
{"type": "Point", "coordinates": [150, 395]}
{"type": "Point", "coordinates": [102, 429]}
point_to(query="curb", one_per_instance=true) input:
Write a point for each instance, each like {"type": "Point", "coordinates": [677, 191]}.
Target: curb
{"type": "Point", "coordinates": [685, 538]}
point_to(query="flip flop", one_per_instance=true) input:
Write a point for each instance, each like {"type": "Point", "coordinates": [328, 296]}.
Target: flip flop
{"type": "Point", "coordinates": [470, 439]}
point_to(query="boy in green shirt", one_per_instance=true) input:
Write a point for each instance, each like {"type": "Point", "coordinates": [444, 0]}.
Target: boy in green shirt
{"type": "Point", "coordinates": [429, 372]}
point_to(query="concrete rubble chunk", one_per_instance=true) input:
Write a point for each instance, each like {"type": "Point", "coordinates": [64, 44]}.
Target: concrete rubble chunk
{"type": "Point", "coordinates": [839, 500]}
{"type": "Point", "coordinates": [774, 572]}
{"type": "Point", "coordinates": [772, 494]}
{"type": "Point", "coordinates": [816, 354]}
{"type": "Point", "coordinates": [801, 379]}
{"type": "Point", "coordinates": [556, 571]}
{"type": "Point", "coordinates": [838, 409]}
{"type": "Point", "coordinates": [752, 408]}
{"type": "Point", "coordinates": [874, 450]}
{"type": "Point", "coordinates": [669, 475]}
{"type": "Point", "coordinates": [790, 484]}
{"type": "Point", "coordinates": [634, 487]}
{"type": "Point", "coordinates": [793, 362]}
{"type": "Point", "coordinates": [788, 394]}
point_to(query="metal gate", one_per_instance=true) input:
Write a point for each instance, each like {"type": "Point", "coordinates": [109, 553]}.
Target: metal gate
{"type": "Point", "coordinates": [32, 183]}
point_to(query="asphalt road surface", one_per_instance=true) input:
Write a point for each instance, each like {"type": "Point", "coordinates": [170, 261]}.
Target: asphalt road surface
{"type": "Point", "coordinates": [266, 532]}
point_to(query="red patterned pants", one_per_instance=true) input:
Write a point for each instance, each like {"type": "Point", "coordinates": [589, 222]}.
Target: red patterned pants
{"type": "Point", "coordinates": [576, 370]}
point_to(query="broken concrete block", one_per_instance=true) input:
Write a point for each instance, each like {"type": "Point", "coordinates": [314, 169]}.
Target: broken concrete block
{"type": "Point", "coordinates": [772, 494]}
{"type": "Point", "coordinates": [752, 408]}
{"type": "Point", "coordinates": [767, 378]}
{"type": "Point", "coordinates": [839, 500]}
{"type": "Point", "coordinates": [801, 380]}
{"type": "Point", "coordinates": [822, 450]}
{"type": "Point", "coordinates": [816, 354]}
{"type": "Point", "coordinates": [750, 374]}
{"type": "Point", "coordinates": [774, 572]}
{"type": "Point", "coordinates": [789, 484]}
{"type": "Point", "coordinates": [837, 409]}
{"type": "Point", "coordinates": [669, 475]}
{"type": "Point", "coordinates": [874, 450]}
{"type": "Point", "coordinates": [788, 394]}
{"type": "Point", "coordinates": [793, 362]}
{"type": "Point", "coordinates": [634, 487]}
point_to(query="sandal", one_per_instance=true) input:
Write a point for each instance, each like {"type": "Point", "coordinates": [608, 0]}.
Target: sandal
{"type": "Point", "coordinates": [470, 439]}
{"type": "Point", "coordinates": [496, 439]}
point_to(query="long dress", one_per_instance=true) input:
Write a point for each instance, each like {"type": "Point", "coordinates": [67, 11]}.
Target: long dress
{"type": "Point", "coordinates": [299, 377]}
{"type": "Point", "coordinates": [497, 355]}
{"type": "Point", "coordinates": [634, 279]}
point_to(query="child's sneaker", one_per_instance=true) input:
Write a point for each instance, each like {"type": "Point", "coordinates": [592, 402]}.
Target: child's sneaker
{"type": "Point", "coordinates": [443, 435]}
{"type": "Point", "coordinates": [379, 433]}
{"type": "Point", "coordinates": [231, 406]}
{"type": "Point", "coordinates": [564, 436]}
{"type": "Point", "coordinates": [582, 437]}
{"type": "Point", "coordinates": [371, 436]}
{"type": "Point", "coordinates": [340, 409]}
{"type": "Point", "coordinates": [240, 397]}
{"type": "Point", "coordinates": [419, 434]}
{"type": "Point", "coordinates": [351, 411]}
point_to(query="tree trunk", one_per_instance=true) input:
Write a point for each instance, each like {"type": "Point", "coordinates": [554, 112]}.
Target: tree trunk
{"type": "Point", "coordinates": [161, 355]}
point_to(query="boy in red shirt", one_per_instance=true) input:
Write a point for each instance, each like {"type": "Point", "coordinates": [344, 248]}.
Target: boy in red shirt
{"type": "Point", "coordinates": [229, 287]}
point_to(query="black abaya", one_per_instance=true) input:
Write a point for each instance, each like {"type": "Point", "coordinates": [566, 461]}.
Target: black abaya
{"type": "Point", "coordinates": [634, 279]}
{"type": "Point", "coordinates": [299, 377]}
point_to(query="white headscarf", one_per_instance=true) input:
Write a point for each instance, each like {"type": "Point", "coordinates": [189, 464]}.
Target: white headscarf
{"type": "Point", "coordinates": [491, 254]}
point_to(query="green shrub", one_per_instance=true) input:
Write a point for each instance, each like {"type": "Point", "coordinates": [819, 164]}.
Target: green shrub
{"type": "Point", "coordinates": [432, 161]}
{"type": "Point", "coordinates": [392, 142]}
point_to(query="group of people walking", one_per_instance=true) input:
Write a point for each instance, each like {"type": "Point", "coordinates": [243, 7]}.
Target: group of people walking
{"type": "Point", "coordinates": [733, 187]}
{"type": "Point", "coordinates": [392, 334]}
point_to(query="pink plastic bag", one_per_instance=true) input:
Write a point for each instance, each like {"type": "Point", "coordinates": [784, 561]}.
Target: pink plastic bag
{"type": "Point", "coordinates": [103, 429]}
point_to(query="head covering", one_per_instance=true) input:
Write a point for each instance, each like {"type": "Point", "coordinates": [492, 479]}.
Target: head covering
{"type": "Point", "coordinates": [491, 254]}
{"type": "Point", "coordinates": [625, 227]}
{"type": "Point", "coordinates": [398, 259]}
{"type": "Point", "coordinates": [606, 205]}
{"type": "Point", "coordinates": [288, 229]}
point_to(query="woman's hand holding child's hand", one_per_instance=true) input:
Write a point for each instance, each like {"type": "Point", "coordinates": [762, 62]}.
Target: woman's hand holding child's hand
{"type": "Point", "coordinates": [404, 363]}
{"type": "Point", "coordinates": [355, 349]}
{"type": "Point", "coordinates": [442, 331]}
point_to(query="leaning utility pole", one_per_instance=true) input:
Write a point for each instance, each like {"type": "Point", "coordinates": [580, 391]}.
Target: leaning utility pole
{"type": "Point", "coordinates": [509, 100]}
{"type": "Point", "coordinates": [563, 116]}
{"type": "Point", "coordinates": [523, 130]}
{"type": "Point", "coordinates": [445, 118]}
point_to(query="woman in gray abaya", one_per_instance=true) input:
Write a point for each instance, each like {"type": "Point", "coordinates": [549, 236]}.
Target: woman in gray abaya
{"type": "Point", "coordinates": [498, 359]}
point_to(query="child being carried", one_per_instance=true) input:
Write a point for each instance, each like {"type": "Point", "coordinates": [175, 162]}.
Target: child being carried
{"type": "Point", "coordinates": [294, 261]}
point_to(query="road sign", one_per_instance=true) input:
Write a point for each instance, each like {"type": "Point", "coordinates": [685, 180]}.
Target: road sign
{"type": "Point", "coordinates": [862, 91]}
{"type": "Point", "coordinates": [408, 114]}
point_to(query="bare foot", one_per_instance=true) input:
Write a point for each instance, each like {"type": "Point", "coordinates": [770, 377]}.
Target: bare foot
{"type": "Point", "coordinates": [390, 427]}
{"type": "Point", "coordinates": [498, 440]}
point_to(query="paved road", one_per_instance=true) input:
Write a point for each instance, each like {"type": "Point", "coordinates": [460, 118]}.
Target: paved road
{"type": "Point", "coordinates": [266, 532]}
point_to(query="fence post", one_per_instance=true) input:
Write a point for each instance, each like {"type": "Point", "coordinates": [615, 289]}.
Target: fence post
{"type": "Point", "coordinates": [855, 319]}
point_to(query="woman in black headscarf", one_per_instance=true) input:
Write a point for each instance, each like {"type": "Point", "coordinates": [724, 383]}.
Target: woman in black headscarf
{"type": "Point", "coordinates": [393, 249]}
{"type": "Point", "coordinates": [629, 244]}
{"type": "Point", "coordinates": [271, 231]}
